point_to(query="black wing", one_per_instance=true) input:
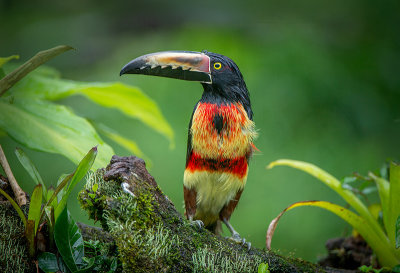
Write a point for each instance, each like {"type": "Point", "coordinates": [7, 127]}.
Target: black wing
{"type": "Point", "coordinates": [189, 142]}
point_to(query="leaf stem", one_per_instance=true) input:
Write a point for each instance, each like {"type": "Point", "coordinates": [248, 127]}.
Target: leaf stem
{"type": "Point", "coordinates": [19, 194]}
{"type": "Point", "coordinates": [40, 58]}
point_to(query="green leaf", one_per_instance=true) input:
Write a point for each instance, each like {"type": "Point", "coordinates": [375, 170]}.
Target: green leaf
{"type": "Point", "coordinates": [383, 190]}
{"type": "Point", "coordinates": [5, 60]}
{"type": "Point", "coordinates": [84, 166]}
{"type": "Point", "coordinates": [59, 181]}
{"type": "Point", "coordinates": [394, 201]}
{"type": "Point", "coordinates": [129, 100]}
{"type": "Point", "coordinates": [35, 206]}
{"type": "Point", "coordinates": [263, 268]}
{"type": "Point", "coordinates": [335, 185]}
{"type": "Point", "coordinates": [15, 206]}
{"type": "Point", "coordinates": [128, 144]}
{"type": "Point", "coordinates": [69, 240]}
{"type": "Point", "coordinates": [88, 267]}
{"type": "Point", "coordinates": [398, 232]}
{"type": "Point", "coordinates": [50, 193]}
{"type": "Point", "coordinates": [30, 168]}
{"type": "Point", "coordinates": [40, 58]}
{"type": "Point", "coordinates": [48, 262]}
{"type": "Point", "coordinates": [95, 187]}
{"type": "Point", "coordinates": [59, 188]}
{"type": "Point", "coordinates": [52, 128]}
{"type": "Point", "coordinates": [380, 245]}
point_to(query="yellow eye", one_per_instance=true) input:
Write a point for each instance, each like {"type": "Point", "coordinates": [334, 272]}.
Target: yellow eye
{"type": "Point", "coordinates": [217, 66]}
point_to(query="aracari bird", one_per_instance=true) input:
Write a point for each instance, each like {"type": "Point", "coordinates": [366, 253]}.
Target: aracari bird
{"type": "Point", "coordinates": [221, 132]}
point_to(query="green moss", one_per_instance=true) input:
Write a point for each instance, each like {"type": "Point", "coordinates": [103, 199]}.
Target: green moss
{"type": "Point", "coordinates": [13, 251]}
{"type": "Point", "coordinates": [130, 220]}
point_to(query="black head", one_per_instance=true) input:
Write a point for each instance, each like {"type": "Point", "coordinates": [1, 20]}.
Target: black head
{"type": "Point", "coordinates": [220, 76]}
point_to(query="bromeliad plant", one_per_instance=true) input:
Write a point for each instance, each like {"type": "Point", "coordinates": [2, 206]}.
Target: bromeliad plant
{"type": "Point", "coordinates": [383, 239]}
{"type": "Point", "coordinates": [53, 207]}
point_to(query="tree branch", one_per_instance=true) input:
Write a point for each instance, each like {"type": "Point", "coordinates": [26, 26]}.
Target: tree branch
{"type": "Point", "coordinates": [19, 194]}
{"type": "Point", "coordinates": [152, 236]}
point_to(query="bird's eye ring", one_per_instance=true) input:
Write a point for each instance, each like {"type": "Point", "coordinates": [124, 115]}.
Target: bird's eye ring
{"type": "Point", "coordinates": [217, 65]}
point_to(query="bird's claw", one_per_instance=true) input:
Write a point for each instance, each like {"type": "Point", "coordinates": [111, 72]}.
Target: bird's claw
{"type": "Point", "coordinates": [197, 224]}
{"type": "Point", "coordinates": [239, 240]}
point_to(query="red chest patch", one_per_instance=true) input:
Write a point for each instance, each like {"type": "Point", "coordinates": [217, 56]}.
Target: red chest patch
{"type": "Point", "coordinates": [237, 166]}
{"type": "Point", "coordinates": [221, 131]}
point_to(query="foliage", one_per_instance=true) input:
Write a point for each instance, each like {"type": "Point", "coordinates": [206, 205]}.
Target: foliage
{"type": "Point", "coordinates": [382, 239]}
{"type": "Point", "coordinates": [367, 269]}
{"type": "Point", "coordinates": [28, 114]}
{"type": "Point", "coordinates": [51, 207]}
{"type": "Point", "coordinates": [263, 268]}
{"type": "Point", "coordinates": [70, 245]}
{"type": "Point", "coordinates": [104, 260]}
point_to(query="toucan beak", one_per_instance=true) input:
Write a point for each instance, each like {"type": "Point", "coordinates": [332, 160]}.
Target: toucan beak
{"type": "Point", "coordinates": [184, 65]}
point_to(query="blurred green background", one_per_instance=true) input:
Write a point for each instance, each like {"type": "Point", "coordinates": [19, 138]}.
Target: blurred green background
{"type": "Point", "coordinates": [323, 77]}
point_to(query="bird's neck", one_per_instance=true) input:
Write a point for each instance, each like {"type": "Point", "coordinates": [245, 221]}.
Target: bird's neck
{"type": "Point", "coordinates": [228, 95]}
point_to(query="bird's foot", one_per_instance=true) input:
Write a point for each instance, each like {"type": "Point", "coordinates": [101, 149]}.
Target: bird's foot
{"type": "Point", "coordinates": [239, 240]}
{"type": "Point", "coordinates": [198, 224]}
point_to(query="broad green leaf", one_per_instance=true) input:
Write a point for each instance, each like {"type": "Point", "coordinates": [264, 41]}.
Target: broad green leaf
{"type": "Point", "coordinates": [383, 190]}
{"type": "Point", "coordinates": [378, 243]}
{"type": "Point", "coordinates": [69, 240]}
{"type": "Point", "coordinates": [52, 128]}
{"type": "Point", "coordinates": [84, 166]}
{"type": "Point", "coordinates": [35, 206]}
{"type": "Point", "coordinates": [335, 185]}
{"type": "Point", "coordinates": [15, 206]}
{"type": "Point", "coordinates": [394, 200]}
{"type": "Point", "coordinates": [40, 58]}
{"type": "Point", "coordinates": [129, 100]}
{"type": "Point", "coordinates": [48, 262]}
{"type": "Point", "coordinates": [30, 168]}
{"type": "Point", "coordinates": [398, 232]}
{"type": "Point", "coordinates": [128, 144]}
{"type": "Point", "coordinates": [5, 60]}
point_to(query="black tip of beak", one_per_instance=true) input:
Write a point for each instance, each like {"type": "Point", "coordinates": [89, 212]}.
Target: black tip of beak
{"type": "Point", "coordinates": [122, 72]}
{"type": "Point", "coordinates": [133, 67]}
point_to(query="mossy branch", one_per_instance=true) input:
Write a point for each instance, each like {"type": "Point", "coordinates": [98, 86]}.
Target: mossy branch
{"type": "Point", "coordinates": [152, 236]}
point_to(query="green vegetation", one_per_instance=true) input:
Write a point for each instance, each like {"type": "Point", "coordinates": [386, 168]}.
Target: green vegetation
{"type": "Point", "coordinates": [263, 268]}
{"type": "Point", "coordinates": [50, 206]}
{"type": "Point", "coordinates": [383, 239]}
{"type": "Point", "coordinates": [29, 116]}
